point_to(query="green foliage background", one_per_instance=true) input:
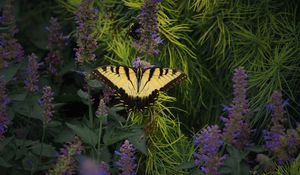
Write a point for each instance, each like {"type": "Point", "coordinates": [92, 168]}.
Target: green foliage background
{"type": "Point", "coordinates": [207, 39]}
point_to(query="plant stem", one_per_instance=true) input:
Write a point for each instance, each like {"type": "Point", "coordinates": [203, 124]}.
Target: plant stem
{"type": "Point", "coordinates": [99, 140]}
{"type": "Point", "coordinates": [90, 108]}
{"type": "Point", "coordinates": [42, 143]}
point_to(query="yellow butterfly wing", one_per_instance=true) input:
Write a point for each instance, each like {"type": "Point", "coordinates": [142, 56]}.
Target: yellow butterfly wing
{"type": "Point", "coordinates": [120, 78]}
{"type": "Point", "coordinates": [138, 88]}
{"type": "Point", "coordinates": [158, 79]}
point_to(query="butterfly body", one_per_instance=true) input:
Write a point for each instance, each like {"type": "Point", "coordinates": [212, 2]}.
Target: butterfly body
{"type": "Point", "coordinates": [138, 88]}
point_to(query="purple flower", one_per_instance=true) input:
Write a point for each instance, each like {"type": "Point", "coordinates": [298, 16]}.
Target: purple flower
{"type": "Point", "coordinates": [102, 109]}
{"type": "Point", "coordinates": [91, 167]}
{"type": "Point", "coordinates": [138, 63]}
{"type": "Point", "coordinates": [237, 130]}
{"type": "Point", "coordinates": [126, 163]}
{"type": "Point", "coordinates": [85, 18]}
{"type": "Point", "coordinates": [66, 163]}
{"type": "Point", "coordinates": [107, 93]}
{"type": "Point", "coordinates": [208, 143]}
{"type": "Point", "coordinates": [7, 13]}
{"type": "Point", "coordinates": [32, 73]}
{"type": "Point", "coordinates": [4, 100]}
{"type": "Point", "coordinates": [10, 49]}
{"type": "Point", "coordinates": [46, 103]}
{"type": "Point", "coordinates": [56, 43]}
{"type": "Point", "coordinates": [150, 39]}
{"type": "Point", "coordinates": [281, 143]}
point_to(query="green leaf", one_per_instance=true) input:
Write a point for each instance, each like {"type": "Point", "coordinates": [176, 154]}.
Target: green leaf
{"type": "Point", "coordinates": [30, 161]}
{"type": "Point", "coordinates": [234, 164]}
{"type": "Point", "coordinates": [187, 165]}
{"type": "Point", "coordinates": [53, 124]}
{"type": "Point", "coordinates": [139, 140]}
{"type": "Point", "coordinates": [9, 72]}
{"type": "Point", "coordinates": [4, 163]}
{"type": "Point", "coordinates": [95, 84]}
{"type": "Point", "coordinates": [85, 133]}
{"type": "Point", "coordinates": [84, 96]}
{"type": "Point", "coordinates": [114, 135]}
{"type": "Point", "coordinates": [197, 172]}
{"type": "Point", "coordinates": [48, 150]}
{"type": "Point", "coordinates": [65, 135]}
{"type": "Point", "coordinates": [5, 142]}
{"type": "Point", "coordinates": [37, 112]}
{"type": "Point", "coordinates": [255, 148]}
{"type": "Point", "coordinates": [18, 96]}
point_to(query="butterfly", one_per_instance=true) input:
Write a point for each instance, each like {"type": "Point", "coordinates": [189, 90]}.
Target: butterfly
{"type": "Point", "coordinates": [138, 88]}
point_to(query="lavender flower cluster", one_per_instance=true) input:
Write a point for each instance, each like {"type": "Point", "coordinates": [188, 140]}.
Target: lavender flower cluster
{"type": "Point", "coordinates": [91, 167]}
{"type": "Point", "coordinates": [4, 100]}
{"type": "Point", "coordinates": [102, 109]}
{"type": "Point", "coordinates": [10, 49]}
{"type": "Point", "coordinates": [46, 103]}
{"type": "Point", "coordinates": [126, 163]}
{"type": "Point", "coordinates": [56, 43]}
{"type": "Point", "coordinates": [85, 18]}
{"type": "Point", "coordinates": [236, 130]}
{"type": "Point", "coordinates": [148, 20]}
{"type": "Point", "coordinates": [66, 163]}
{"type": "Point", "coordinates": [138, 63]}
{"type": "Point", "coordinates": [208, 143]}
{"type": "Point", "coordinates": [280, 142]}
{"type": "Point", "coordinates": [32, 74]}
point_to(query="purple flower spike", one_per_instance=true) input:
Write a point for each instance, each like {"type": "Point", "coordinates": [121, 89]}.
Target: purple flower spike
{"type": "Point", "coordinates": [208, 143]}
{"type": "Point", "coordinates": [4, 100]}
{"type": "Point", "coordinates": [126, 163]}
{"type": "Point", "coordinates": [278, 141]}
{"type": "Point", "coordinates": [150, 39]}
{"type": "Point", "coordinates": [56, 43]}
{"type": "Point", "coordinates": [7, 14]}
{"type": "Point", "coordinates": [237, 130]}
{"type": "Point", "coordinates": [32, 74]}
{"type": "Point", "coordinates": [10, 49]}
{"type": "Point", "coordinates": [138, 63]}
{"type": "Point", "coordinates": [85, 18]}
{"type": "Point", "coordinates": [46, 103]}
{"type": "Point", "coordinates": [91, 167]}
{"type": "Point", "coordinates": [102, 109]}
{"type": "Point", "coordinates": [66, 162]}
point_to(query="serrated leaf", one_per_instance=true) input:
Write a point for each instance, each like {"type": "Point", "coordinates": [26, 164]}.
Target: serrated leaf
{"type": "Point", "coordinates": [85, 133]}
{"type": "Point", "coordinates": [9, 72]}
{"type": "Point", "coordinates": [255, 148]}
{"type": "Point", "coordinates": [48, 150]}
{"type": "Point", "coordinates": [234, 164]}
{"type": "Point", "coordinates": [19, 96]}
{"type": "Point", "coordinates": [5, 142]}
{"type": "Point", "coordinates": [139, 142]}
{"type": "Point", "coordinates": [4, 163]}
{"type": "Point", "coordinates": [95, 84]}
{"type": "Point", "coordinates": [187, 165]}
{"type": "Point", "coordinates": [113, 135]}
{"type": "Point", "coordinates": [53, 124]}
{"type": "Point", "coordinates": [84, 96]}
{"type": "Point", "coordinates": [64, 136]}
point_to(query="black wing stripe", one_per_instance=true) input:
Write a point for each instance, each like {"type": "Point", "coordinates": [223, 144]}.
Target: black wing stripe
{"type": "Point", "coordinates": [117, 69]}
{"type": "Point", "coordinates": [160, 71]}
{"type": "Point", "coordinates": [126, 70]}
{"type": "Point", "coordinates": [167, 70]}
{"type": "Point", "coordinates": [149, 78]}
{"type": "Point", "coordinates": [151, 74]}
